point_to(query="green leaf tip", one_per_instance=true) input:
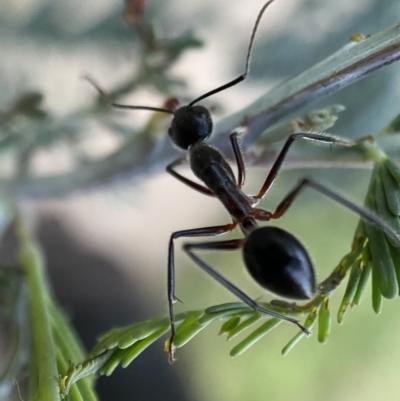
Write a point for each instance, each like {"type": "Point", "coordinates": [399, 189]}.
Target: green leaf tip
{"type": "Point", "coordinates": [229, 325]}
{"type": "Point", "coordinates": [351, 289]}
{"type": "Point", "coordinates": [324, 321]}
{"type": "Point", "coordinates": [244, 325]}
{"type": "Point", "coordinates": [308, 324]}
{"type": "Point", "coordinates": [254, 337]}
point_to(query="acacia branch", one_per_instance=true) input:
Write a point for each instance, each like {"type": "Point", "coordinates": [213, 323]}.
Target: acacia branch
{"type": "Point", "coordinates": [141, 157]}
{"type": "Point", "coordinates": [349, 64]}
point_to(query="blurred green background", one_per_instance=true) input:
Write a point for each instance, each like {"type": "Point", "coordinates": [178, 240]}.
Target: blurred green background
{"type": "Point", "coordinates": [46, 46]}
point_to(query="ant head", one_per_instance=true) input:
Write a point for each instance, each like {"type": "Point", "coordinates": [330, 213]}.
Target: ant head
{"type": "Point", "coordinates": [279, 263]}
{"type": "Point", "coordinates": [190, 124]}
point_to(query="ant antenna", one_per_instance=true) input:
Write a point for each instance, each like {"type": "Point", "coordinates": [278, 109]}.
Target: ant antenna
{"type": "Point", "coordinates": [108, 99]}
{"type": "Point", "coordinates": [243, 76]}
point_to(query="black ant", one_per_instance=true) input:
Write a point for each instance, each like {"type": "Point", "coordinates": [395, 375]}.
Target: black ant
{"type": "Point", "coordinates": [274, 257]}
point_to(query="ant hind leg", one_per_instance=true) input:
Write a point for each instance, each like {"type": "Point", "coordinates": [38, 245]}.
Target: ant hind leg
{"type": "Point", "coordinates": [362, 212]}
{"type": "Point", "coordinates": [196, 232]}
{"type": "Point", "coordinates": [230, 245]}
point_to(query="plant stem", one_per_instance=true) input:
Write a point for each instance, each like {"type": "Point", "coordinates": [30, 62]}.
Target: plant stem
{"type": "Point", "coordinates": [32, 261]}
{"type": "Point", "coordinates": [138, 158]}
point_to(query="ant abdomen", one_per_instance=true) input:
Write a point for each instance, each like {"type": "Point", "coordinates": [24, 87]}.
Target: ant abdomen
{"type": "Point", "coordinates": [279, 263]}
{"type": "Point", "coordinates": [190, 124]}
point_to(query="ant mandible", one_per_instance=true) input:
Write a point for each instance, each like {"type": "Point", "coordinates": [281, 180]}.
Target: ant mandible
{"type": "Point", "coordinates": [274, 258]}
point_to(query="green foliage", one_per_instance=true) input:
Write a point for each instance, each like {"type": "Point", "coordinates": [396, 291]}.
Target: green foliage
{"type": "Point", "coordinates": [54, 343]}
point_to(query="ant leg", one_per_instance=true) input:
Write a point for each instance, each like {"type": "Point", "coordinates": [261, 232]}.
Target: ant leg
{"type": "Point", "coordinates": [238, 157]}
{"type": "Point", "coordinates": [362, 212]}
{"type": "Point", "coordinates": [196, 232]}
{"type": "Point", "coordinates": [194, 185]}
{"type": "Point", "coordinates": [279, 160]}
{"type": "Point", "coordinates": [230, 245]}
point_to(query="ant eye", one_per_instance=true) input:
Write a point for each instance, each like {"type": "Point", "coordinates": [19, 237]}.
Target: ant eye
{"type": "Point", "coordinates": [279, 263]}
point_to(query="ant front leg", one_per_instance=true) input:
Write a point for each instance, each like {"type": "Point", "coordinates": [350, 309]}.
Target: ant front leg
{"type": "Point", "coordinates": [196, 232]}
{"type": "Point", "coordinates": [234, 137]}
{"type": "Point", "coordinates": [231, 245]}
{"type": "Point", "coordinates": [362, 212]}
{"type": "Point", "coordinates": [194, 185]}
{"type": "Point", "coordinates": [281, 157]}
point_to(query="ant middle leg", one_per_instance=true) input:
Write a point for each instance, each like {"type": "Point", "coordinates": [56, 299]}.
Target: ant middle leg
{"type": "Point", "coordinates": [196, 232]}
{"type": "Point", "coordinates": [230, 245]}
{"type": "Point", "coordinates": [273, 173]}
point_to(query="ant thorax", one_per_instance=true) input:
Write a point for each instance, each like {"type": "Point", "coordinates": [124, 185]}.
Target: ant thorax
{"type": "Point", "coordinates": [208, 164]}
